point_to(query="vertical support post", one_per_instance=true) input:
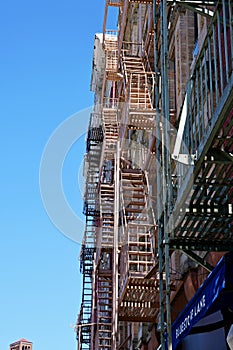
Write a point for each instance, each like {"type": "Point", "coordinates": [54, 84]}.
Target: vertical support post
{"type": "Point", "coordinates": [167, 188]}
{"type": "Point", "coordinates": [210, 79]}
{"type": "Point", "coordinates": [158, 177]}
{"type": "Point", "coordinates": [231, 31]}
{"type": "Point", "coordinates": [216, 77]}
{"type": "Point", "coordinates": [140, 48]}
{"type": "Point", "coordinates": [115, 247]}
{"type": "Point", "coordinates": [220, 50]}
{"type": "Point", "coordinates": [202, 122]}
{"type": "Point", "coordinates": [225, 39]}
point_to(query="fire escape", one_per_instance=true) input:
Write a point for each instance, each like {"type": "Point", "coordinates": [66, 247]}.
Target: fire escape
{"type": "Point", "coordinates": [138, 296]}
{"type": "Point", "coordinates": [105, 274]}
{"type": "Point", "coordinates": [91, 210]}
{"type": "Point", "coordinates": [138, 299]}
{"type": "Point", "coordinates": [196, 184]}
{"type": "Point", "coordinates": [128, 242]}
{"type": "Point", "coordinates": [124, 246]}
{"type": "Point", "coordinates": [124, 250]}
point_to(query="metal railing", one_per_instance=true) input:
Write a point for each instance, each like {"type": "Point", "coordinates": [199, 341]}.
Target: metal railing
{"type": "Point", "coordinates": [114, 2]}
{"type": "Point", "coordinates": [111, 60]}
{"type": "Point", "coordinates": [207, 88]}
{"type": "Point", "coordinates": [141, 88]}
{"type": "Point", "coordinates": [110, 102]}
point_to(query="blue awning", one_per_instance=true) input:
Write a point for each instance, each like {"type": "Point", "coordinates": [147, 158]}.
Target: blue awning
{"type": "Point", "coordinates": [216, 293]}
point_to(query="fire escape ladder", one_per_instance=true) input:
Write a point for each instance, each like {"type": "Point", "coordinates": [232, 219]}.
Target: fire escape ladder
{"type": "Point", "coordinates": [138, 111]}
{"type": "Point", "coordinates": [107, 186]}
{"type": "Point", "coordinates": [139, 95]}
{"type": "Point", "coordinates": [85, 315]}
{"type": "Point", "coordinates": [111, 58]}
{"type": "Point", "coordinates": [138, 298]}
{"type": "Point", "coordinates": [103, 336]}
{"type": "Point", "coordinates": [107, 215]}
{"type": "Point", "coordinates": [110, 132]}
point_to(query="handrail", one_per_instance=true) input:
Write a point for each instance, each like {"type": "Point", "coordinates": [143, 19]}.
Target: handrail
{"type": "Point", "coordinates": [110, 102]}
{"type": "Point", "coordinates": [124, 120]}
{"type": "Point", "coordinates": [112, 32]}
{"type": "Point", "coordinates": [148, 62]}
{"type": "Point", "coordinates": [152, 73]}
{"type": "Point", "coordinates": [142, 78]}
{"type": "Point", "coordinates": [122, 25]}
{"type": "Point", "coordinates": [152, 210]}
{"type": "Point", "coordinates": [114, 2]}
{"type": "Point", "coordinates": [123, 68]}
{"type": "Point", "coordinates": [124, 213]}
{"type": "Point", "coordinates": [148, 75]}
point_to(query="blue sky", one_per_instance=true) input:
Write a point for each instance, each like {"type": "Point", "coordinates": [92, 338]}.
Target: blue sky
{"type": "Point", "coordinates": [45, 70]}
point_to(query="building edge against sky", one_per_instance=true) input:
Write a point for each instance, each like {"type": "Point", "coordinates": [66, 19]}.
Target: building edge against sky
{"type": "Point", "coordinates": [159, 190]}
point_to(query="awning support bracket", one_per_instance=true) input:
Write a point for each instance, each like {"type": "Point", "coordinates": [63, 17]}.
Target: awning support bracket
{"type": "Point", "coordinates": [176, 155]}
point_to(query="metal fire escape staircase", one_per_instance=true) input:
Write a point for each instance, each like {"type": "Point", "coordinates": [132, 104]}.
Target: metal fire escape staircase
{"type": "Point", "coordinates": [104, 309]}
{"type": "Point", "coordinates": [196, 181]}
{"type": "Point", "coordinates": [91, 210]}
{"type": "Point", "coordinates": [104, 277]}
{"type": "Point", "coordinates": [137, 110]}
{"type": "Point", "coordinates": [107, 206]}
{"type": "Point", "coordinates": [107, 188]}
{"type": "Point", "coordinates": [139, 86]}
{"type": "Point", "coordinates": [104, 272]}
{"type": "Point", "coordinates": [85, 314]}
{"type": "Point", "coordinates": [138, 298]}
